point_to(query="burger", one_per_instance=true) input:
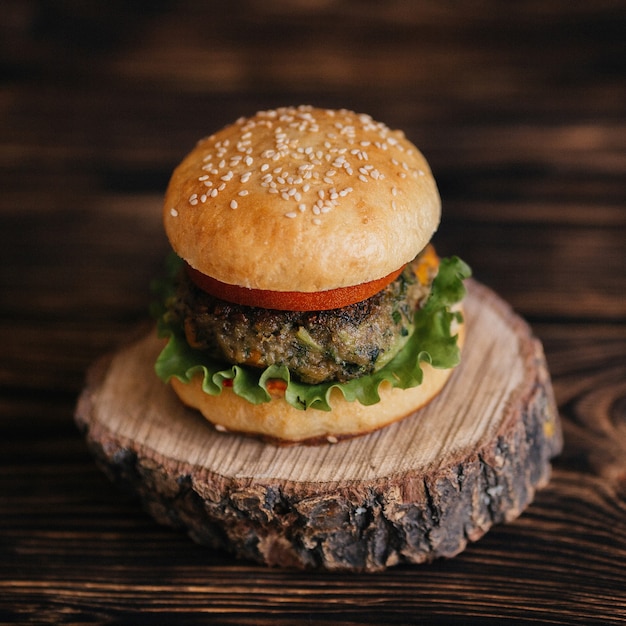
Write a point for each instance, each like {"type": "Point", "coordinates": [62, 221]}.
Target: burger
{"type": "Point", "coordinates": [303, 301]}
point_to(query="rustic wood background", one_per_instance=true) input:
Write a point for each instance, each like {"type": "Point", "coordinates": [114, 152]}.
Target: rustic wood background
{"type": "Point", "coordinates": [520, 108]}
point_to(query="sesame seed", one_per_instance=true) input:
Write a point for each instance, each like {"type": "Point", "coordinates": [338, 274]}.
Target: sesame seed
{"type": "Point", "coordinates": [317, 221]}
{"type": "Point", "coordinates": [173, 212]}
{"type": "Point", "coordinates": [300, 173]}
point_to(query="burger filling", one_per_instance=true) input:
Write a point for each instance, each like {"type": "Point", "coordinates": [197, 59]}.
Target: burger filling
{"type": "Point", "coordinates": [316, 346]}
{"type": "Point", "coordinates": [353, 349]}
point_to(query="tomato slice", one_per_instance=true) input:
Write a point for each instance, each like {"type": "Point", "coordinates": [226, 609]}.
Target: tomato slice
{"type": "Point", "coordinates": [290, 300]}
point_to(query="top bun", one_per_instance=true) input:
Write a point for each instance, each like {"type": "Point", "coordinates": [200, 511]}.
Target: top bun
{"type": "Point", "coordinates": [301, 199]}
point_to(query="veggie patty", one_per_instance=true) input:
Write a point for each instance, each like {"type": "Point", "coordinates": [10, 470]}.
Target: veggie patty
{"type": "Point", "coordinates": [316, 346]}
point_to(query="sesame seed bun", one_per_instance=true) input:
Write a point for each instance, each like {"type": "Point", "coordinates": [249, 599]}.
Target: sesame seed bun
{"type": "Point", "coordinates": [301, 199]}
{"type": "Point", "coordinates": [280, 423]}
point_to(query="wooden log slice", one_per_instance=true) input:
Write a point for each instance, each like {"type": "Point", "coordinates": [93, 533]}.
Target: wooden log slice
{"type": "Point", "coordinates": [412, 492]}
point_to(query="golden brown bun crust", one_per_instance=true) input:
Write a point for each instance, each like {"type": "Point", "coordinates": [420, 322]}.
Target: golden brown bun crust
{"type": "Point", "coordinates": [301, 199]}
{"type": "Point", "coordinates": [279, 422]}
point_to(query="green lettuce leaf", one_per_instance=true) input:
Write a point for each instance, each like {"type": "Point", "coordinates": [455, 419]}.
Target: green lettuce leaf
{"type": "Point", "coordinates": [431, 342]}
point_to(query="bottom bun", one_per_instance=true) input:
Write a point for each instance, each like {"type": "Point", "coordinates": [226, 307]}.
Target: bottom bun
{"type": "Point", "coordinates": [279, 422]}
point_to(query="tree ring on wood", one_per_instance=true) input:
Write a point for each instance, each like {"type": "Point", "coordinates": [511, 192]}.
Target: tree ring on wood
{"type": "Point", "coordinates": [412, 492]}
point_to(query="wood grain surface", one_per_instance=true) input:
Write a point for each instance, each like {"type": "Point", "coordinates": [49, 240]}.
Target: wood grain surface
{"type": "Point", "coordinates": [520, 109]}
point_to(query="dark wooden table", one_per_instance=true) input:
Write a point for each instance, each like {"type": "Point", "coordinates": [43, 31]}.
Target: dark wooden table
{"type": "Point", "coordinates": [520, 108]}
